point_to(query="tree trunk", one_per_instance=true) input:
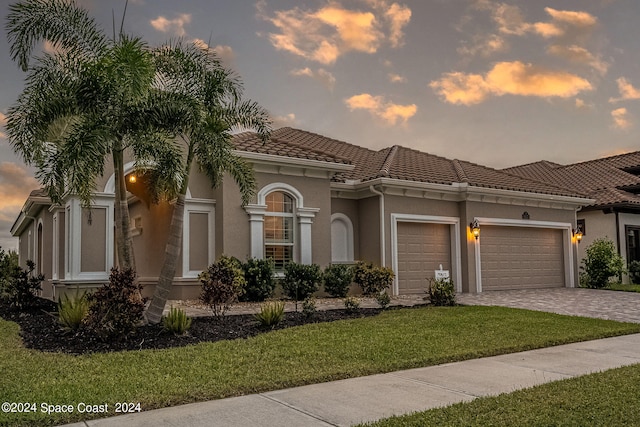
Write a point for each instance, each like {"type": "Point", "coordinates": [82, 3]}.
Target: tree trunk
{"type": "Point", "coordinates": [124, 243]}
{"type": "Point", "coordinates": [171, 256]}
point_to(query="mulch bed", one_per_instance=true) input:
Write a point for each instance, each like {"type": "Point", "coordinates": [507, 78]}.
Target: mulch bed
{"type": "Point", "coordinates": [40, 330]}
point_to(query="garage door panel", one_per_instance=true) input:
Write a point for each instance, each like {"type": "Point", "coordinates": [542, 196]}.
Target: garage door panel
{"type": "Point", "coordinates": [521, 257]}
{"type": "Point", "coordinates": [422, 247]}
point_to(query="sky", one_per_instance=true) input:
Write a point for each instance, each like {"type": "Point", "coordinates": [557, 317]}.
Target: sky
{"type": "Point", "coordinates": [500, 83]}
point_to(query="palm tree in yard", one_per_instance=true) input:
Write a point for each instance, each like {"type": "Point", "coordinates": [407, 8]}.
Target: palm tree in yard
{"type": "Point", "coordinates": [212, 97]}
{"type": "Point", "coordinates": [92, 98]}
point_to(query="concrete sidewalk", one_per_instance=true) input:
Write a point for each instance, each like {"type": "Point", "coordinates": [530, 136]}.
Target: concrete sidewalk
{"type": "Point", "coordinates": [351, 401]}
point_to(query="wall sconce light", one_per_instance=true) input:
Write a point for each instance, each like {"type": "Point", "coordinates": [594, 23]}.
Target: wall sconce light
{"type": "Point", "coordinates": [133, 178]}
{"type": "Point", "coordinates": [475, 228]}
{"type": "Point", "coordinates": [577, 233]}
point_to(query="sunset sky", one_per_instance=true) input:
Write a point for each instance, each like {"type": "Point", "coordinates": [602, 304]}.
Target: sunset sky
{"type": "Point", "coordinates": [496, 83]}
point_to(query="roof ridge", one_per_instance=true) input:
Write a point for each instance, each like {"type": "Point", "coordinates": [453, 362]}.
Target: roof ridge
{"type": "Point", "coordinates": [312, 149]}
{"type": "Point", "coordinates": [462, 176]}
{"type": "Point", "coordinates": [289, 128]}
{"type": "Point", "coordinates": [385, 170]}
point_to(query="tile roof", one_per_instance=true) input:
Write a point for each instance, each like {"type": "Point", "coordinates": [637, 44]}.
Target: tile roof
{"type": "Point", "coordinates": [394, 162]}
{"type": "Point", "coordinates": [604, 179]}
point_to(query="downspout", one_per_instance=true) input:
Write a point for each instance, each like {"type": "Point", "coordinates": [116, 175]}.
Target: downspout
{"type": "Point", "coordinates": [618, 241]}
{"type": "Point", "coordinates": [382, 235]}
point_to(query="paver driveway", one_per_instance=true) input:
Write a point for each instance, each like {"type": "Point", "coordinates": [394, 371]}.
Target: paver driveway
{"type": "Point", "coordinates": [621, 306]}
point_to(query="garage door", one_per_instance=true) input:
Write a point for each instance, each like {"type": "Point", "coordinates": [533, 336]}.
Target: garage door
{"type": "Point", "coordinates": [521, 258]}
{"type": "Point", "coordinates": [421, 249]}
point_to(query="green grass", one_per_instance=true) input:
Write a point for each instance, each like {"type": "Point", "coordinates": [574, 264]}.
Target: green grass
{"type": "Point", "coordinates": [608, 398]}
{"type": "Point", "coordinates": [625, 288]}
{"type": "Point", "coordinates": [397, 339]}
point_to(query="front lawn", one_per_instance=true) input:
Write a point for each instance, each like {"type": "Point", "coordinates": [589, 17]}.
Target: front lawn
{"type": "Point", "coordinates": [396, 339]}
{"type": "Point", "coordinates": [607, 398]}
{"type": "Point", "coordinates": [625, 288]}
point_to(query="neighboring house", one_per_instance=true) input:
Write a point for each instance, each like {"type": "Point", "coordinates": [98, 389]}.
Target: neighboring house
{"type": "Point", "coordinates": [326, 201]}
{"type": "Point", "coordinates": [614, 184]}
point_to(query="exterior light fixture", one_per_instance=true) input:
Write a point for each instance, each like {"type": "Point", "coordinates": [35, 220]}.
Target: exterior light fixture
{"type": "Point", "coordinates": [133, 178]}
{"type": "Point", "coordinates": [577, 233]}
{"type": "Point", "coordinates": [475, 228]}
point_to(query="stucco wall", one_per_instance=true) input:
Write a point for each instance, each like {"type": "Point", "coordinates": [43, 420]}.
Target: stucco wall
{"type": "Point", "coordinates": [369, 229]}
{"type": "Point", "coordinates": [597, 224]}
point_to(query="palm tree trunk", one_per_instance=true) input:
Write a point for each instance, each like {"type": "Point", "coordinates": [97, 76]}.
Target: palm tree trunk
{"type": "Point", "coordinates": [168, 271]}
{"type": "Point", "coordinates": [124, 243]}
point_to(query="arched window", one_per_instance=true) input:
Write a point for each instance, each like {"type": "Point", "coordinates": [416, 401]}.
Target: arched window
{"type": "Point", "coordinates": [279, 228]}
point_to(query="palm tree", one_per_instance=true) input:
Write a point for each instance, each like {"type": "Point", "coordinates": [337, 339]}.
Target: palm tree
{"type": "Point", "coordinates": [93, 97]}
{"type": "Point", "coordinates": [212, 95]}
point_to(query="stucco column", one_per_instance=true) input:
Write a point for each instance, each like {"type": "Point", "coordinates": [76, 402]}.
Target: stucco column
{"type": "Point", "coordinates": [305, 219]}
{"type": "Point", "coordinates": [256, 226]}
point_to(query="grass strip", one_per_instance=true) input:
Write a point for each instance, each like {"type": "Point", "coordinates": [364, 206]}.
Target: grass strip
{"type": "Point", "coordinates": [624, 288]}
{"type": "Point", "coordinates": [607, 398]}
{"type": "Point", "coordinates": [396, 339]}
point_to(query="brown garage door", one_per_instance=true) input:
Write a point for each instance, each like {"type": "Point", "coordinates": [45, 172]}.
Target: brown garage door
{"type": "Point", "coordinates": [421, 249]}
{"type": "Point", "coordinates": [521, 258]}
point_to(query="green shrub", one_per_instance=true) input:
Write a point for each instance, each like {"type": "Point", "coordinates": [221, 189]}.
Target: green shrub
{"type": "Point", "coordinates": [441, 292]}
{"type": "Point", "coordinates": [260, 282]}
{"type": "Point", "coordinates": [372, 279]}
{"type": "Point", "coordinates": [301, 280]}
{"type": "Point", "coordinates": [8, 264]}
{"type": "Point", "coordinates": [117, 307]}
{"type": "Point", "coordinates": [383, 299]}
{"type": "Point", "coordinates": [176, 322]}
{"type": "Point", "coordinates": [600, 264]}
{"type": "Point", "coordinates": [351, 304]}
{"type": "Point", "coordinates": [270, 314]}
{"type": "Point", "coordinates": [634, 272]}
{"type": "Point", "coordinates": [21, 287]}
{"type": "Point", "coordinates": [73, 310]}
{"type": "Point", "coordinates": [309, 307]}
{"type": "Point", "coordinates": [337, 278]}
{"type": "Point", "coordinates": [222, 283]}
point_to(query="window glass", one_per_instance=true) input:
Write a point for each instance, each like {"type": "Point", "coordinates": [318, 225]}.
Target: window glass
{"type": "Point", "coordinates": [279, 229]}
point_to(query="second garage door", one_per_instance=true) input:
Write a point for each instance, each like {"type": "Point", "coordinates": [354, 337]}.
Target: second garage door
{"type": "Point", "coordinates": [521, 258]}
{"type": "Point", "coordinates": [422, 247]}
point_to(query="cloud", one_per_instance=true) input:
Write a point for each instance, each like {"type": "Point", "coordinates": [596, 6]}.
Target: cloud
{"type": "Point", "coordinates": [621, 119]}
{"type": "Point", "coordinates": [175, 25]}
{"type": "Point", "coordinates": [15, 185]}
{"type": "Point", "coordinates": [627, 91]}
{"type": "Point", "coordinates": [508, 78]}
{"type": "Point", "coordinates": [484, 44]}
{"type": "Point", "coordinates": [325, 34]}
{"type": "Point", "coordinates": [223, 52]}
{"type": "Point", "coordinates": [376, 105]}
{"type": "Point", "coordinates": [580, 55]}
{"type": "Point", "coordinates": [284, 121]}
{"type": "Point", "coordinates": [321, 75]}
{"type": "Point", "coordinates": [3, 119]}
{"type": "Point", "coordinates": [396, 78]}
{"type": "Point", "coordinates": [581, 104]}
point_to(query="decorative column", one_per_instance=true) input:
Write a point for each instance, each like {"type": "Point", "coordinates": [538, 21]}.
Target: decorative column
{"type": "Point", "coordinates": [256, 224]}
{"type": "Point", "coordinates": [305, 219]}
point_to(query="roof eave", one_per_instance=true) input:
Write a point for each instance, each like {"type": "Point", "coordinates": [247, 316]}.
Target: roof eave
{"type": "Point", "coordinates": [293, 161]}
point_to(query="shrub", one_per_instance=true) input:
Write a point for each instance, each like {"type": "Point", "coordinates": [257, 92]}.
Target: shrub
{"type": "Point", "coordinates": [260, 282]}
{"type": "Point", "coordinates": [383, 299]}
{"type": "Point", "coordinates": [337, 278]}
{"type": "Point", "coordinates": [301, 280]}
{"type": "Point", "coordinates": [309, 307]}
{"type": "Point", "coordinates": [73, 310]}
{"type": "Point", "coordinates": [351, 304]}
{"type": "Point", "coordinates": [634, 272]}
{"type": "Point", "coordinates": [8, 264]}
{"type": "Point", "coordinates": [600, 264]}
{"type": "Point", "coordinates": [222, 284]}
{"type": "Point", "coordinates": [372, 279]}
{"type": "Point", "coordinates": [442, 292]}
{"type": "Point", "coordinates": [117, 307]}
{"type": "Point", "coordinates": [20, 288]}
{"type": "Point", "coordinates": [270, 314]}
{"type": "Point", "coordinates": [177, 322]}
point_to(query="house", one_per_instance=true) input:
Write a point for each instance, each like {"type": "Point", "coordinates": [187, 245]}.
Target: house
{"type": "Point", "coordinates": [326, 201]}
{"type": "Point", "coordinates": [614, 185]}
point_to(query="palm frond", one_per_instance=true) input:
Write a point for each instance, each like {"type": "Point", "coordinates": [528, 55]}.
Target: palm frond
{"type": "Point", "coordinates": [60, 22]}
